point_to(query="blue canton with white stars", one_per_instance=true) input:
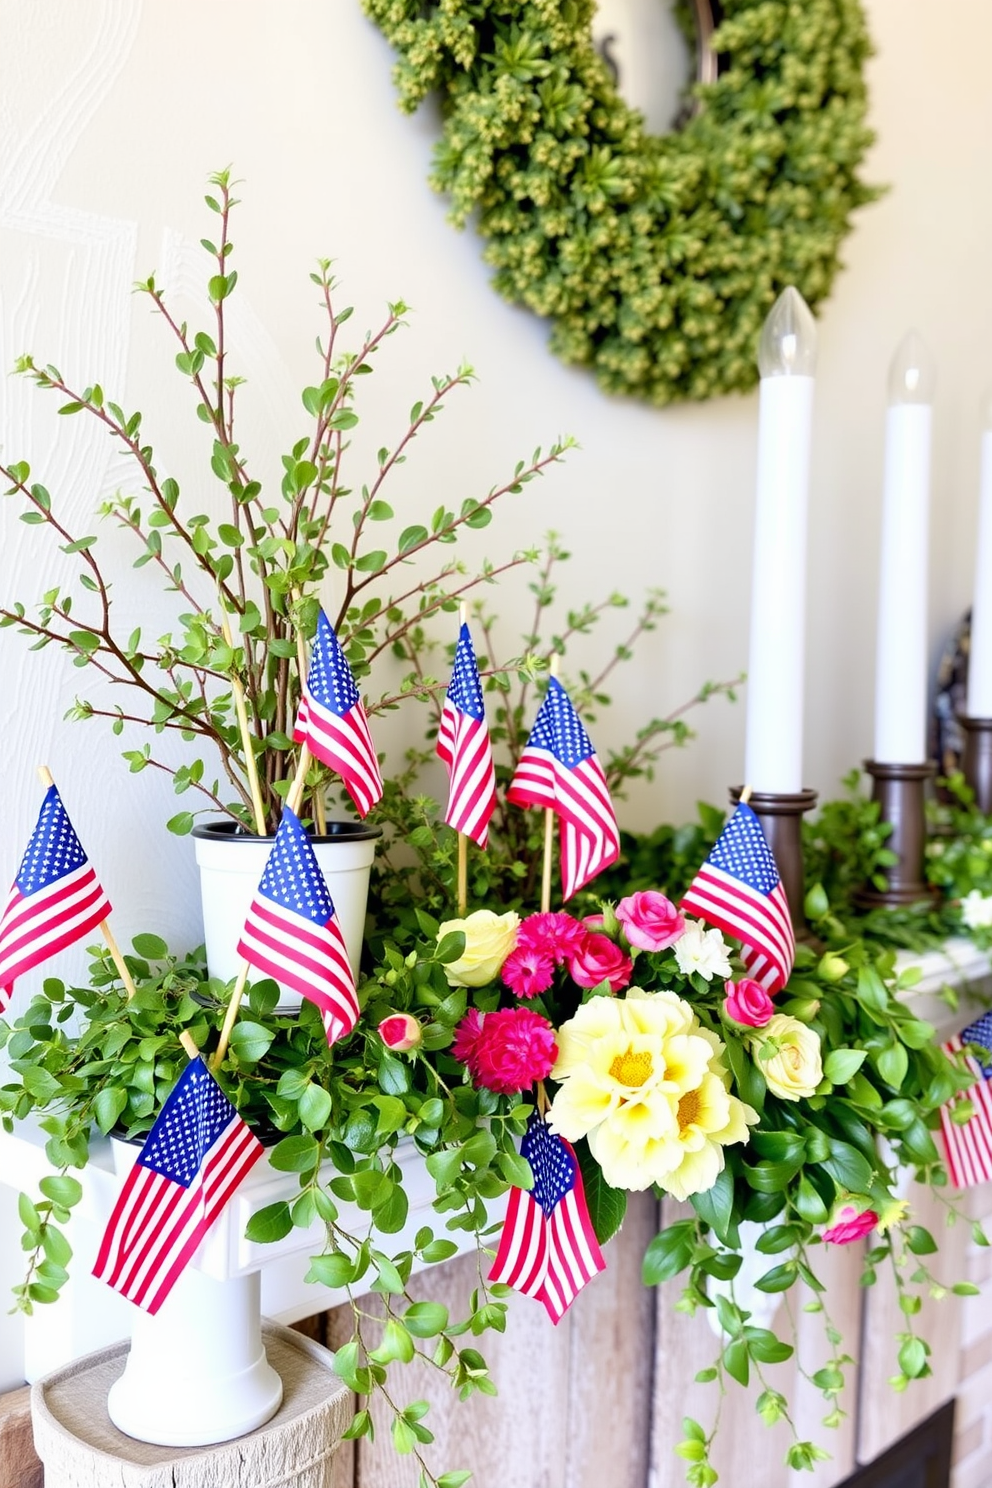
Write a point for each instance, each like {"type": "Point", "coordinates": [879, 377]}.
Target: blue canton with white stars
{"type": "Point", "coordinates": [54, 849]}
{"type": "Point", "coordinates": [465, 689]}
{"type": "Point", "coordinates": [329, 679]}
{"type": "Point", "coordinates": [192, 1119]}
{"type": "Point", "coordinates": [553, 1168]}
{"type": "Point", "coordinates": [292, 877]}
{"type": "Point", "coordinates": [980, 1032]}
{"type": "Point", "coordinates": [741, 851]}
{"type": "Point", "coordinates": [558, 729]}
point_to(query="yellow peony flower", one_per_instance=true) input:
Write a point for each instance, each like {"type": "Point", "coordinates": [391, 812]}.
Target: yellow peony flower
{"type": "Point", "coordinates": [489, 939]}
{"type": "Point", "coordinates": [788, 1055]}
{"type": "Point", "coordinates": [644, 1082]}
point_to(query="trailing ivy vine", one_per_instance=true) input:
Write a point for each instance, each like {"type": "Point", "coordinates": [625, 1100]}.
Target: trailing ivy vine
{"type": "Point", "coordinates": [656, 258]}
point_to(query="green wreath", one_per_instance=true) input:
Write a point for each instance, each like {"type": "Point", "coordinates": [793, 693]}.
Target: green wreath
{"type": "Point", "coordinates": [655, 257]}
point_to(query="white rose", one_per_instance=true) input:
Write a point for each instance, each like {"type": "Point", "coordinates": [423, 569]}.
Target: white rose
{"type": "Point", "coordinates": [702, 951]}
{"type": "Point", "coordinates": [976, 910]}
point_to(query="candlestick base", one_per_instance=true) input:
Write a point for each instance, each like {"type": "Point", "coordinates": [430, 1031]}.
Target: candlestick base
{"type": "Point", "coordinates": [976, 759]}
{"type": "Point", "coordinates": [781, 818]}
{"type": "Point", "coordinates": [899, 790]}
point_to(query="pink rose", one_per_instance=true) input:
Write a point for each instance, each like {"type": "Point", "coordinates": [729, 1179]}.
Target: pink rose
{"type": "Point", "coordinates": [748, 1003]}
{"type": "Point", "coordinates": [506, 1050]}
{"type": "Point", "coordinates": [599, 959]}
{"type": "Point", "coordinates": [401, 1032]}
{"type": "Point", "coordinates": [528, 971]}
{"type": "Point", "coordinates": [557, 935]}
{"type": "Point", "coordinates": [849, 1225]}
{"type": "Point", "coordinates": [650, 921]}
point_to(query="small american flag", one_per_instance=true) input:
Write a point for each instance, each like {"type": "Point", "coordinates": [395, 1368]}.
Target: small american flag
{"type": "Point", "coordinates": [548, 1248]}
{"type": "Point", "coordinates": [55, 899]}
{"type": "Point", "coordinates": [463, 745]}
{"type": "Point", "coordinates": [738, 890]}
{"type": "Point", "coordinates": [558, 769]}
{"type": "Point", "coordinates": [292, 932]}
{"type": "Point", "coordinates": [332, 722]}
{"type": "Point", "coordinates": [968, 1148]}
{"type": "Point", "coordinates": [194, 1158]}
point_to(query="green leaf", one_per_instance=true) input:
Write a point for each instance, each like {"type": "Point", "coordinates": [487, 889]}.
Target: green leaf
{"type": "Point", "coordinates": [669, 1253]}
{"type": "Point", "coordinates": [848, 1167]}
{"type": "Point", "coordinates": [181, 824]}
{"type": "Point", "coordinates": [412, 537]}
{"type": "Point", "coordinates": [396, 1346]}
{"type": "Point", "coordinates": [841, 1064]}
{"type": "Point", "coordinates": [272, 1223]}
{"type": "Point", "coordinates": [294, 1155]}
{"type": "Point", "coordinates": [893, 1064]}
{"type": "Point", "coordinates": [426, 1319]}
{"type": "Point", "coordinates": [108, 1105]}
{"type": "Point", "coordinates": [716, 1206]}
{"type": "Point", "coordinates": [333, 1270]}
{"type": "Point", "coordinates": [314, 1107]}
{"type": "Point", "coordinates": [61, 1189]}
{"type": "Point", "coordinates": [151, 947]}
{"type": "Point", "coordinates": [250, 1041]}
{"type": "Point", "coordinates": [607, 1206]}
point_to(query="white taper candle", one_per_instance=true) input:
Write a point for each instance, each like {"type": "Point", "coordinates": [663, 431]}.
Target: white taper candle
{"type": "Point", "coordinates": [979, 703]}
{"type": "Point", "coordinates": [901, 669]}
{"type": "Point", "coordinates": [787, 359]}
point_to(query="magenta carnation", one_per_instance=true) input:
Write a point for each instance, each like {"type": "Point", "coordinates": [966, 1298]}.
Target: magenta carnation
{"type": "Point", "coordinates": [528, 971]}
{"type": "Point", "coordinates": [506, 1051]}
{"type": "Point", "coordinates": [557, 935]}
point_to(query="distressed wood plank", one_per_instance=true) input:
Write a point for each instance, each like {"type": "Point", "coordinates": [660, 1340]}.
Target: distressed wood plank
{"type": "Point", "coordinates": [19, 1466]}
{"type": "Point", "coordinates": [885, 1415]}
{"type": "Point", "coordinates": [609, 1400]}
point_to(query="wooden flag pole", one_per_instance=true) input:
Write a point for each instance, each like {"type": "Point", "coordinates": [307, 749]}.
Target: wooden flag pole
{"type": "Point", "coordinates": [230, 1017]}
{"type": "Point", "coordinates": [549, 831]}
{"type": "Point", "coordinates": [745, 795]}
{"type": "Point", "coordinates": [246, 740]}
{"type": "Point", "coordinates": [462, 839]}
{"type": "Point", "coordinates": [45, 776]}
{"type": "Point", "coordinates": [319, 809]}
{"type": "Point", "coordinates": [189, 1044]}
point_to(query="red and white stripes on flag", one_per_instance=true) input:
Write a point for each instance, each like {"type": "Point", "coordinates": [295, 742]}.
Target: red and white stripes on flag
{"type": "Point", "coordinates": [54, 901]}
{"type": "Point", "coordinates": [464, 747]}
{"type": "Point", "coordinates": [968, 1148]}
{"type": "Point", "coordinates": [331, 720]}
{"type": "Point", "coordinates": [738, 890]}
{"type": "Point", "coordinates": [560, 771]}
{"type": "Point", "coordinates": [193, 1160]}
{"type": "Point", "coordinates": [292, 933]}
{"type": "Point", "coordinates": [548, 1249]}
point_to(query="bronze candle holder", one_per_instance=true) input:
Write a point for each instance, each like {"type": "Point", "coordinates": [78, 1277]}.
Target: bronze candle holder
{"type": "Point", "coordinates": [900, 792]}
{"type": "Point", "coordinates": [781, 818]}
{"type": "Point", "coordinates": [976, 759]}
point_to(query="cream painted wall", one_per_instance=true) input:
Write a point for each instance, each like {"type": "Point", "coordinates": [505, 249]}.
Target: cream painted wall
{"type": "Point", "coordinates": [111, 116]}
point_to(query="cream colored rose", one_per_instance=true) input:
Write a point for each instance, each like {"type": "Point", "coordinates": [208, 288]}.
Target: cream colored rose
{"type": "Point", "coordinates": [788, 1055]}
{"type": "Point", "coordinates": [489, 939]}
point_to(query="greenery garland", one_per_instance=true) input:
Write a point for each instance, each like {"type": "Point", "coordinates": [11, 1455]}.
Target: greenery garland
{"type": "Point", "coordinates": [655, 257]}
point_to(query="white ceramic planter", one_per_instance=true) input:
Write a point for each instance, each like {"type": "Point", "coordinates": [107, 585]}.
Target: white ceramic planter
{"type": "Point", "coordinates": [231, 862]}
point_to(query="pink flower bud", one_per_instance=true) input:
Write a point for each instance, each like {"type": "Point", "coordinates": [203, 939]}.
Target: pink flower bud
{"type": "Point", "coordinates": [849, 1225]}
{"type": "Point", "coordinates": [400, 1032]}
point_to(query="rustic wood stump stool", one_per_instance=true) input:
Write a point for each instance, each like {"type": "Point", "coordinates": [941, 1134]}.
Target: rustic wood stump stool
{"type": "Point", "coordinates": [81, 1448]}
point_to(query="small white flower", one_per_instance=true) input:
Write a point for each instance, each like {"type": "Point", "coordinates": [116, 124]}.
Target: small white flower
{"type": "Point", "coordinates": [976, 910]}
{"type": "Point", "coordinates": [703, 951]}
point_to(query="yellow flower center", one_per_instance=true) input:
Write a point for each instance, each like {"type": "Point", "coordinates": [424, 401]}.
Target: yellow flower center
{"type": "Point", "coordinates": [689, 1108]}
{"type": "Point", "coordinates": [631, 1068]}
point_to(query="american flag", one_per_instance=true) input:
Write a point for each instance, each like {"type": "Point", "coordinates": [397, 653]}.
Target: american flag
{"type": "Point", "coordinates": [194, 1158]}
{"type": "Point", "coordinates": [55, 899]}
{"type": "Point", "coordinates": [559, 769]}
{"type": "Point", "coordinates": [292, 932]}
{"type": "Point", "coordinates": [968, 1148]}
{"type": "Point", "coordinates": [464, 746]}
{"type": "Point", "coordinates": [548, 1248]}
{"type": "Point", "coordinates": [738, 890]}
{"type": "Point", "coordinates": [332, 722]}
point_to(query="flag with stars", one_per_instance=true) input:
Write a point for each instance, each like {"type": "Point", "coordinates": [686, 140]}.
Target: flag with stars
{"type": "Point", "coordinates": [558, 769]}
{"type": "Point", "coordinates": [464, 746]}
{"type": "Point", "coordinates": [194, 1158]}
{"type": "Point", "coordinates": [548, 1248]}
{"type": "Point", "coordinates": [968, 1146]}
{"type": "Point", "coordinates": [292, 933]}
{"type": "Point", "coordinates": [332, 722]}
{"type": "Point", "coordinates": [55, 899]}
{"type": "Point", "coordinates": [738, 890]}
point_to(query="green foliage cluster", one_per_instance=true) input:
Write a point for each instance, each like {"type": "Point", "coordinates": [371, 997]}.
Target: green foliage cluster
{"type": "Point", "coordinates": [247, 583]}
{"type": "Point", "coordinates": [656, 258]}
